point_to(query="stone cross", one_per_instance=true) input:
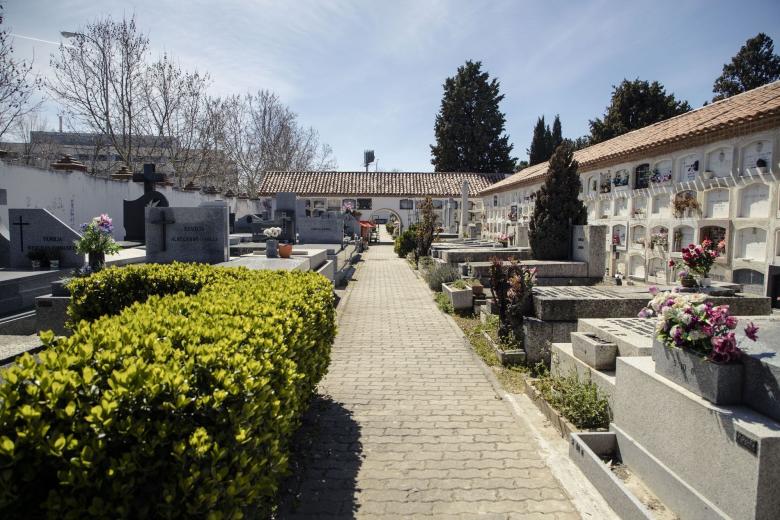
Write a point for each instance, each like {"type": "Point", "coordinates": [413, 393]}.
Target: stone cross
{"type": "Point", "coordinates": [21, 231]}
{"type": "Point", "coordinates": [163, 221]}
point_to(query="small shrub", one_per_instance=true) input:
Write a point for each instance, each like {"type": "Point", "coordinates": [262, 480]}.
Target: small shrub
{"type": "Point", "coordinates": [181, 405]}
{"type": "Point", "coordinates": [580, 402]}
{"type": "Point", "coordinates": [460, 284]}
{"type": "Point", "coordinates": [443, 302]}
{"type": "Point", "coordinates": [439, 274]}
{"type": "Point", "coordinates": [390, 227]}
{"type": "Point", "coordinates": [406, 242]}
{"type": "Point", "coordinates": [425, 263]}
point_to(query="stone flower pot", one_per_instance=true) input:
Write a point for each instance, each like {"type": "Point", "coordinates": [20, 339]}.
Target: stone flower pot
{"type": "Point", "coordinates": [97, 260]}
{"type": "Point", "coordinates": [285, 250]}
{"type": "Point", "coordinates": [271, 248]}
{"type": "Point", "coordinates": [460, 299]}
{"type": "Point", "coordinates": [715, 382]}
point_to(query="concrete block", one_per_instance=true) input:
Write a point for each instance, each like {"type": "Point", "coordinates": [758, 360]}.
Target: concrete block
{"type": "Point", "coordinates": [728, 455]}
{"type": "Point", "coordinates": [538, 336]}
{"type": "Point", "coordinates": [461, 299]}
{"type": "Point", "coordinates": [594, 351]}
{"type": "Point", "coordinates": [633, 336]}
{"type": "Point", "coordinates": [51, 313]}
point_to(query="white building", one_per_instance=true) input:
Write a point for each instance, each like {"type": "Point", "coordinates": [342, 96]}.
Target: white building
{"type": "Point", "coordinates": [380, 195]}
{"type": "Point", "coordinates": [711, 173]}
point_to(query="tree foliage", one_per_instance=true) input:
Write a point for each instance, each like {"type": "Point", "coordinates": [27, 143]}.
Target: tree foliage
{"type": "Point", "coordinates": [469, 127]}
{"type": "Point", "coordinates": [18, 84]}
{"type": "Point", "coordinates": [425, 231]}
{"type": "Point", "coordinates": [545, 140]}
{"type": "Point", "coordinates": [635, 104]}
{"type": "Point", "coordinates": [557, 207]}
{"type": "Point", "coordinates": [755, 64]}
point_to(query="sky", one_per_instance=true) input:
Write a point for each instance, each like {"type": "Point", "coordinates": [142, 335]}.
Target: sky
{"type": "Point", "coordinates": [368, 74]}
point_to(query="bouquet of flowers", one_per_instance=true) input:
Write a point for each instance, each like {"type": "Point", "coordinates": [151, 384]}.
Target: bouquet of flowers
{"type": "Point", "coordinates": [699, 259]}
{"type": "Point", "coordinates": [659, 239]}
{"type": "Point", "coordinates": [272, 232]}
{"type": "Point", "coordinates": [687, 321]}
{"type": "Point", "coordinates": [504, 238]}
{"type": "Point", "coordinates": [97, 237]}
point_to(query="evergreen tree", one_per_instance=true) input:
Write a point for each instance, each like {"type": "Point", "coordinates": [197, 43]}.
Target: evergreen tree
{"type": "Point", "coordinates": [557, 136]}
{"type": "Point", "coordinates": [635, 104]}
{"type": "Point", "coordinates": [469, 127]}
{"type": "Point", "coordinates": [425, 230]}
{"type": "Point", "coordinates": [540, 143]}
{"type": "Point", "coordinates": [557, 208]}
{"type": "Point", "coordinates": [755, 64]}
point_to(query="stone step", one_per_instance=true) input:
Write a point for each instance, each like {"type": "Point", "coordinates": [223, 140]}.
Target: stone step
{"type": "Point", "coordinates": [727, 456]}
{"type": "Point", "coordinates": [13, 346]}
{"type": "Point", "coordinates": [564, 363]}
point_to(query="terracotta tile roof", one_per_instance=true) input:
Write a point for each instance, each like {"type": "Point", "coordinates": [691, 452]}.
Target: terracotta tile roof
{"type": "Point", "coordinates": [720, 120]}
{"type": "Point", "coordinates": [404, 184]}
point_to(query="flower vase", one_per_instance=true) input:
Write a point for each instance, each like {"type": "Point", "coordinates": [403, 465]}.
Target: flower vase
{"type": "Point", "coordinates": [688, 281]}
{"type": "Point", "coordinates": [96, 260]}
{"type": "Point", "coordinates": [718, 383]}
{"type": "Point", "coordinates": [272, 248]}
{"type": "Point", "coordinates": [705, 281]}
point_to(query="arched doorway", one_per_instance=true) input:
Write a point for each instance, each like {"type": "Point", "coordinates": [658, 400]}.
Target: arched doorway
{"type": "Point", "coordinates": [381, 217]}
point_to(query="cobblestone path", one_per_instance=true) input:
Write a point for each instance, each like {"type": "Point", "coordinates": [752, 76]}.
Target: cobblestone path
{"type": "Point", "coordinates": [408, 425]}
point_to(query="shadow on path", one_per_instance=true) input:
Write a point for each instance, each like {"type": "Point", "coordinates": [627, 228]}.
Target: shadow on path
{"type": "Point", "coordinates": [324, 466]}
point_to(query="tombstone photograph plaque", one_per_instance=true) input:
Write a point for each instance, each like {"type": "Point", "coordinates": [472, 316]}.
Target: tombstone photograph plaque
{"type": "Point", "coordinates": [34, 229]}
{"type": "Point", "coordinates": [197, 234]}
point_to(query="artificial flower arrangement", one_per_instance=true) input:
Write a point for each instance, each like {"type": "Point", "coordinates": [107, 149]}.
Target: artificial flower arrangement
{"type": "Point", "coordinates": [504, 238]}
{"type": "Point", "coordinates": [689, 322]}
{"type": "Point", "coordinates": [660, 239]}
{"type": "Point", "coordinates": [272, 232]}
{"type": "Point", "coordinates": [699, 259]}
{"type": "Point", "coordinates": [97, 241]}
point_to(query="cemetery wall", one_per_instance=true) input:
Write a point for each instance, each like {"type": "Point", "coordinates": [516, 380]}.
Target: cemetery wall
{"type": "Point", "coordinates": [739, 201]}
{"type": "Point", "coordinates": [75, 197]}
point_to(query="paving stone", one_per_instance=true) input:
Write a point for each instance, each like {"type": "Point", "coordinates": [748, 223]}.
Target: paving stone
{"type": "Point", "coordinates": [410, 427]}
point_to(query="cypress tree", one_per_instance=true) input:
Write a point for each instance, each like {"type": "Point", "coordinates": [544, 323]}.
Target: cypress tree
{"type": "Point", "coordinates": [755, 64]}
{"type": "Point", "coordinates": [557, 202]}
{"type": "Point", "coordinates": [556, 137]}
{"type": "Point", "coordinates": [469, 127]}
{"type": "Point", "coordinates": [540, 143]}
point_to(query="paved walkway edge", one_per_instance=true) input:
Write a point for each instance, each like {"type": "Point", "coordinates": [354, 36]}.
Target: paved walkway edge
{"type": "Point", "coordinates": [554, 450]}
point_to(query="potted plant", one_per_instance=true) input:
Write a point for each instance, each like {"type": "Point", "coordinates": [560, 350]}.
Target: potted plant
{"type": "Point", "coordinates": [37, 258]}
{"type": "Point", "coordinates": [685, 204]}
{"type": "Point", "coordinates": [659, 239]}
{"type": "Point", "coordinates": [504, 239]}
{"type": "Point", "coordinates": [272, 244]}
{"type": "Point", "coordinates": [459, 293]}
{"type": "Point", "coordinates": [696, 347]}
{"type": "Point", "coordinates": [699, 259]}
{"type": "Point", "coordinates": [97, 241]}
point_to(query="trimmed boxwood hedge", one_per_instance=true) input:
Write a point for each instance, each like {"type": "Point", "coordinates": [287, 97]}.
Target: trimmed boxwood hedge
{"type": "Point", "coordinates": [180, 405]}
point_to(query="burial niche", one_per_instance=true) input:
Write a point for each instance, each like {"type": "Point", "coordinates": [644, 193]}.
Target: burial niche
{"type": "Point", "coordinates": [754, 201]}
{"type": "Point", "coordinates": [751, 243]}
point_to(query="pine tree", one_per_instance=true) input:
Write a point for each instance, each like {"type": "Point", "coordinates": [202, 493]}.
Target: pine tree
{"type": "Point", "coordinates": [539, 150]}
{"type": "Point", "coordinates": [635, 104]}
{"type": "Point", "coordinates": [755, 64]}
{"type": "Point", "coordinates": [469, 127]}
{"type": "Point", "coordinates": [557, 208]}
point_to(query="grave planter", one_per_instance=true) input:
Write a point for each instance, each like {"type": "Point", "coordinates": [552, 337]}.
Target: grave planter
{"type": "Point", "coordinates": [54, 265]}
{"type": "Point", "coordinates": [507, 358]}
{"type": "Point", "coordinates": [715, 382]}
{"type": "Point", "coordinates": [285, 250]}
{"type": "Point", "coordinates": [460, 299]}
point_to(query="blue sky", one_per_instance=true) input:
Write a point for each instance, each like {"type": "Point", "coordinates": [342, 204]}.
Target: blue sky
{"type": "Point", "coordinates": [368, 74]}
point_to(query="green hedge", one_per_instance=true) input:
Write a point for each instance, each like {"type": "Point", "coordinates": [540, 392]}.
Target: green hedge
{"type": "Point", "coordinates": [179, 406]}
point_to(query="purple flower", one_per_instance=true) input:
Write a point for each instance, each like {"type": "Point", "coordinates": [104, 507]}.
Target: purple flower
{"type": "Point", "coordinates": [751, 331]}
{"type": "Point", "coordinates": [653, 290]}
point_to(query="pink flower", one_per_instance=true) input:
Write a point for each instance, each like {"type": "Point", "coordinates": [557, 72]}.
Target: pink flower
{"type": "Point", "coordinates": [653, 290]}
{"type": "Point", "coordinates": [751, 331]}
